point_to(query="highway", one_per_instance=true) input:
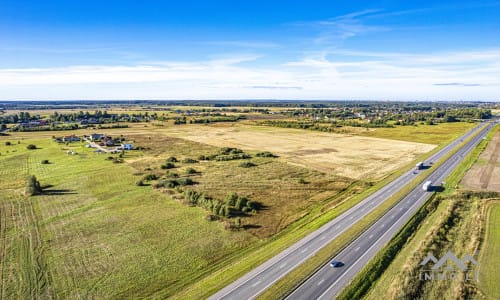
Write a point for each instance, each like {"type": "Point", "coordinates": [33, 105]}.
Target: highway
{"type": "Point", "coordinates": [327, 282]}
{"type": "Point", "coordinates": [256, 281]}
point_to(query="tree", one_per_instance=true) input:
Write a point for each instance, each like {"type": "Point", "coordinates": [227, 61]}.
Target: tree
{"type": "Point", "coordinates": [8, 143]}
{"type": "Point", "coordinates": [31, 147]}
{"type": "Point", "coordinates": [33, 186]}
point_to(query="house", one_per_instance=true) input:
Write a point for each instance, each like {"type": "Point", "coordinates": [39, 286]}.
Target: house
{"type": "Point", "coordinates": [71, 138]}
{"type": "Point", "coordinates": [96, 137]}
{"type": "Point", "coordinates": [127, 146]}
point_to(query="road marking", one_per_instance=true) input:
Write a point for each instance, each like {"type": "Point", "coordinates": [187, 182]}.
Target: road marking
{"type": "Point", "coordinates": [304, 250]}
{"type": "Point", "coordinates": [321, 281]}
{"type": "Point", "coordinates": [283, 265]}
{"type": "Point", "coordinates": [323, 237]}
{"type": "Point", "coordinates": [363, 209]}
{"type": "Point", "coordinates": [255, 284]}
{"type": "Point", "coordinates": [356, 250]}
{"type": "Point", "coordinates": [337, 227]}
{"type": "Point", "coordinates": [351, 218]}
{"type": "Point", "coordinates": [392, 217]}
{"type": "Point", "coordinates": [383, 225]}
{"type": "Point", "coordinates": [371, 235]}
{"type": "Point", "coordinates": [401, 208]}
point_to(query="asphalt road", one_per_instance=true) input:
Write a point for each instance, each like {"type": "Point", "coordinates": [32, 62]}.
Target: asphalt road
{"type": "Point", "coordinates": [327, 282]}
{"type": "Point", "coordinates": [256, 281]}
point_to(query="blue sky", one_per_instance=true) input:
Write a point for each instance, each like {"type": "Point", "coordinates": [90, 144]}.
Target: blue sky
{"type": "Point", "coordinates": [389, 50]}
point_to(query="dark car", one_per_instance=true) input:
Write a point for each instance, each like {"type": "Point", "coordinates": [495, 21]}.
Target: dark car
{"type": "Point", "coordinates": [336, 264]}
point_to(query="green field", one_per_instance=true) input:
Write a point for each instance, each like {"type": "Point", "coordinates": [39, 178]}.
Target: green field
{"type": "Point", "coordinates": [430, 134]}
{"type": "Point", "coordinates": [490, 254]}
{"type": "Point", "coordinates": [94, 234]}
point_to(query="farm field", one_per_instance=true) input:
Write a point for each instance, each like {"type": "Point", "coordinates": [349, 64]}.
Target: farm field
{"type": "Point", "coordinates": [485, 174]}
{"type": "Point", "coordinates": [344, 155]}
{"type": "Point", "coordinates": [430, 134]}
{"type": "Point", "coordinates": [94, 234]}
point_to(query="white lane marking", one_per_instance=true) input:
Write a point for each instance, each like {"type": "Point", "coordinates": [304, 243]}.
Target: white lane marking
{"type": "Point", "coordinates": [283, 265]}
{"type": "Point", "coordinates": [383, 225]}
{"type": "Point", "coordinates": [337, 227]}
{"type": "Point", "coordinates": [304, 250]}
{"type": "Point", "coordinates": [321, 281]}
{"type": "Point", "coordinates": [392, 217]}
{"type": "Point", "coordinates": [356, 250]}
{"type": "Point", "coordinates": [363, 209]}
{"type": "Point", "coordinates": [323, 237]}
{"type": "Point", "coordinates": [255, 284]}
{"type": "Point", "coordinates": [371, 235]}
{"type": "Point", "coordinates": [350, 218]}
{"type": "Point", "coordinates": [401, 208]}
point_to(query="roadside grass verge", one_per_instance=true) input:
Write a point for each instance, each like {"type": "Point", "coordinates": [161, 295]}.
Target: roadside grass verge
{"type": "Point", "coordinates": [490, 254]}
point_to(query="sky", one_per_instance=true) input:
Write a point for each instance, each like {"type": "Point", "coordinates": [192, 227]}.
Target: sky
{"type": "Point", "coordinates": [295, 50]}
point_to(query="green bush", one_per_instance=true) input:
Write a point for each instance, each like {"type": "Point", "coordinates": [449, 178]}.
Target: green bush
{"type": "Point", "coordinates": [191, 171]}
{"type": "Point", "coordinates": [185, 181]}
{"type": "Point", "coordinates": [33, 186]}
{"type": "Point", "coordinates": [168, 165]}
{"type": "Point", "coordinates": [172, 159]}
{"type": "Point", "coordinates": [265, 154]}
{"type": "Point", "coordinates": [149, 177]}
{"type": "Point", "coordinates": [8, 143]}
{"type": "Point", "coordinates": [45, 162]}
{"type": "Point", "coordinates": [189, 161]}
{"type": "Point", "coordinates": [247, 164]}
{"type": "Point", "coordinates": [31, 147]}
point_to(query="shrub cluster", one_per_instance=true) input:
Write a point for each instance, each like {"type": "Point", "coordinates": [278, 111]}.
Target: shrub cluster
{"type": "Point", "coordinates": [247, 164]}
{"type": "Point", "coordinates": [189, 161]}
{"type": "Point", "coordinates": [226, 154]}
{"type": "Point", "coordinates": [168, 165]}
{"type": "Point", "coordinates": [172, 183]}
{"type": "Point", "coordinates": [149, 177]}
{"type": "Point", "coordinates": [265, 154]}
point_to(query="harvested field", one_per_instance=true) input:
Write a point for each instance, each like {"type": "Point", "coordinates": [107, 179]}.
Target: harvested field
{"type": "Point", "coordinates": [344, 155]}
{"type": "Point", "coordinates": [485, 174]}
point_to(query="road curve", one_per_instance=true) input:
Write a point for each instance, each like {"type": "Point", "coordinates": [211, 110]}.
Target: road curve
{"type": "Point", "coordinates": [327, 282]}
{"type": "Point", "coordinates": [256, 281]}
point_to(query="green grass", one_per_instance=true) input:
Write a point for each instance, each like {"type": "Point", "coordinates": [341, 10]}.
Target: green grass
{"type": "Point", "coordinates": [490, 254]}
{"type": "Point", "coordinates": [439, 134]}
{"type": "Point", "coordinates": [104, 237]}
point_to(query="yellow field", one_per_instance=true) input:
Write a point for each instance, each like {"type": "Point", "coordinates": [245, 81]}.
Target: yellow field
{"type": "Point", "coordinates": [345, 155]}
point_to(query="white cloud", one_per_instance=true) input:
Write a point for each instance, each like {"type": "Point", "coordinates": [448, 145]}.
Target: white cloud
{"type": "Point", "coordinates": [335, 75]}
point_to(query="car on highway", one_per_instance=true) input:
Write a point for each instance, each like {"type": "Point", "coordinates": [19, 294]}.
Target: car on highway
{"type": "Point", "coordinates": [336, 264]}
